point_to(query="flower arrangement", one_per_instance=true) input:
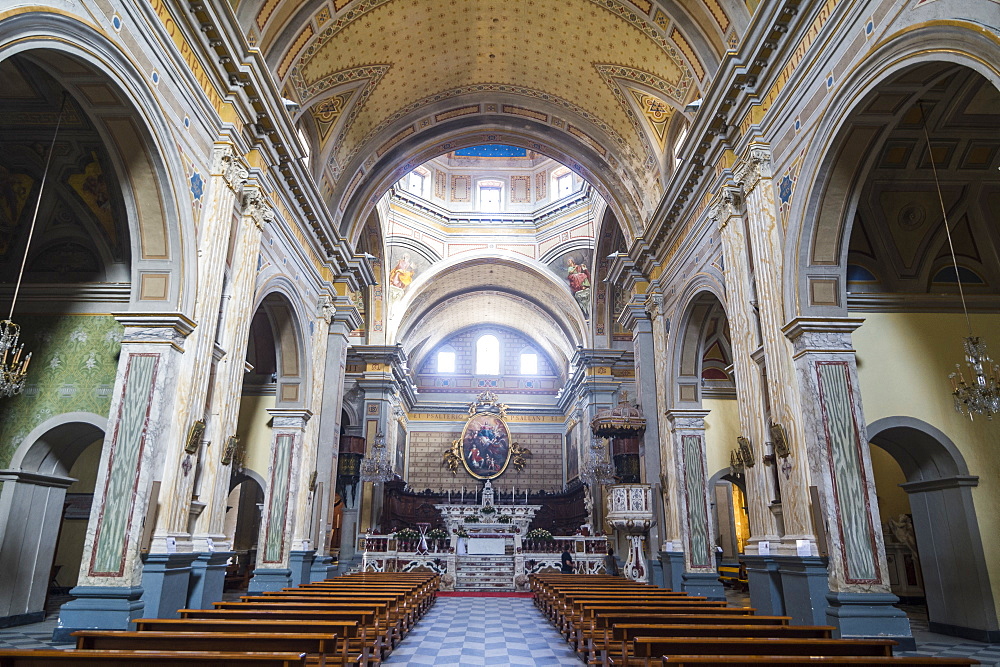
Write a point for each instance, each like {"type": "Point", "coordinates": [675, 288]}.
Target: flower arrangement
{"type": "Point", "coordinates": [437, 534]}
{"type": "Point", "coordinates": [505, 518]}
{"type": "Point", "coordinates": [489, 509]}
{"type": "Point", "coordinates": [538, 534]}
{"type": "Point", "coordinates": [472, 518]}
{"type": "Point", "coordinates": [461, 532]}
{"type": "Point", "coordinates": [407, 535]}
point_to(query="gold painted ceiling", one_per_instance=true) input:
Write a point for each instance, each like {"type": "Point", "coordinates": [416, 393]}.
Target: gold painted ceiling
{"type": "Point", "coordinates": [611, 74]}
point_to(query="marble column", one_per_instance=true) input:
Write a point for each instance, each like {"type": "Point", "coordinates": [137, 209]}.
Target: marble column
{"type": "Point", "coordinates": [860, 602]}
{"type": "Point", "coordinates": [274, 549]}
{"type": "Point", "coordinates": [142, 409]}
{"type": "Point", "coordinates": [173, 520]}
{"type": "Point", "coordinates": [209, 538]}
{"type": "Point", "coordinates": [655, 456]}
{"type": "Point", "coordinates": [342, 317]}
{"type": "Point", "coordinates": [691, 494]}
{"type": "Point", "coordinates": [762, 571]}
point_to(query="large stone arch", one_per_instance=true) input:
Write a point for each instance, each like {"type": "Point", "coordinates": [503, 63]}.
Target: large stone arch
{"type": "Point", "coordinates": [701, 300]}
{"type": "Point", "coordinates": [139, 141]}
{"type": "Point", "coordinates": [360, 197]}
{"type": "Point", "coordinates": [820, 220]}
{"type": "Point", "coordinates": [956, 579]}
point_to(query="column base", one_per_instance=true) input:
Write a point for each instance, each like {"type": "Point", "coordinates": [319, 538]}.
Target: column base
{"type": "Point", "coordinates": [655, 569]}
{"type": "Point", "coordinates": [208, 578]}
{"type": "Point", "coordinates": [165, 580]}
{"type": "Point", "coordinates": [672, 563]}
{"type": "Point", "coordinates": [98, 608]}
{"type": "Point", "coordinates": [266, 579]}
{"type": "Point", "coordinates": [869, 616]}
{"type": "Point", "coordinates": [764, 582]}
{"type": "Point", "coordinates": [805, 585]}
{"type": "Point", "coordinates": [704, 583]}
{"type": "Point", "coordinates": [300, 563]}
{"type": "Point", "coordinates": [322, 568]}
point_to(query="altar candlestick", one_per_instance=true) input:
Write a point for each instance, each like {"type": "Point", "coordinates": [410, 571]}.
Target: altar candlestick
{"type": "Point", "coordinates": [449, 496]}
{"type": "Point", "coordinates": [525, 496]}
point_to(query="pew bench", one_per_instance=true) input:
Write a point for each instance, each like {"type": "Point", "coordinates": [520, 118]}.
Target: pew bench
{"type": "Point", "coordinates": [650, 650]}
{"type": "Point", "coordinates": [47, 658]}
{"type": "Point", "coordinates": [322, 646]}
{"type": "Point", "coordinates": [806, 660]}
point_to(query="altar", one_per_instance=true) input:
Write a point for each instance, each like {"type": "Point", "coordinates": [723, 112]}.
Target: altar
{"type": "Point", "coordinates": [483, 545]}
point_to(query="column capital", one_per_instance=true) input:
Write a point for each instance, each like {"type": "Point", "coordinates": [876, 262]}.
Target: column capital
{"type": "Point", "coordinates": [753, 166]}
{"type": "Point", "coordinates": [822, 334]}
{"type": "Point", "coordinates": [654, 306]}
{"type": "Point", "coordinates": [687, 419]}
{"type": "Point", "coordinates": [228, 164]}
{"type": "Point", "coordinates": [725, 206]}
{"type": "Point", "coordinates": [289, 418]}
{"type": "Point", "coordinates": [256, 207]}
{"type": "Point", "coordinates": [340, 313]}
{"type": "Point", "coordinates": [156, 328]}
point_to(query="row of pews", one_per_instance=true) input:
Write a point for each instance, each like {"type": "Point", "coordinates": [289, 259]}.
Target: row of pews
{"type": "Point", "coordinates": [614, 621]}
{"type": "Point", "coordinates": [352, 620]}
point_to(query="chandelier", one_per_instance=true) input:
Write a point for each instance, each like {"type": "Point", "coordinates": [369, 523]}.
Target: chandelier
{"type": "Point", "coordinates": [597, 469]}
{"type": "Point", "coordinates": [376, 468]}
{"type": "Point", "coordinates": [981, 394]}
{"type": "Point", "coordinates": [14, 368]}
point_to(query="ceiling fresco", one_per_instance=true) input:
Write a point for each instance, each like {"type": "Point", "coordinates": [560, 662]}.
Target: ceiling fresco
{"type": "Point", "coordinates": [611, 75]}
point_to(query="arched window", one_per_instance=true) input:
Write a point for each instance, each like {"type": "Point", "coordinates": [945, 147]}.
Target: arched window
{"type": "Point", "coordinates": [563, 178]}
{"type": "Point", "coordinates": [490, 196]}
{"type": "Point", "coordinates": [488, 355]}
{"type": "Point", "coordinates": [446, 361]}
{"type": "Point", "coordinates": [529, 363]}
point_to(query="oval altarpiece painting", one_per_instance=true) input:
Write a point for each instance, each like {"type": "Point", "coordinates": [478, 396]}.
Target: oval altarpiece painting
{"type": "Point", "coordinates": [485, 445]}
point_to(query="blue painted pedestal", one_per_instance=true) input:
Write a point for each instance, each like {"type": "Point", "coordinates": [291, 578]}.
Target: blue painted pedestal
{"type": "Point", "coordinates": [98, 608]}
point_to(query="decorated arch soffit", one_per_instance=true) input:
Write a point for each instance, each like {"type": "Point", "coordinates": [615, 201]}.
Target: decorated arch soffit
{"type": "Point", "coordinates": [606, 74]}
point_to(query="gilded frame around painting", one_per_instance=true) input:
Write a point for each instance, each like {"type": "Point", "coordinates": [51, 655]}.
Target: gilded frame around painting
{"type": "Point", "coordinates": [485, 442]}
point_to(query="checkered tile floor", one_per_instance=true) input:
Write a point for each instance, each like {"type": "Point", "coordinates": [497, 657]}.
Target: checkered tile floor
{"type": "Point", "coordinates": [483, 631]}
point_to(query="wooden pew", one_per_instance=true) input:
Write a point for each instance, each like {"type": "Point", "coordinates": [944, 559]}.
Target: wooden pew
{"type": "Point", "coordinates": [47, 658]}
{"type": "Point", "coordinates": [351, 647]}
{"type": "Point", "coordinates": [320, 645]}
{"type": "Point", "coordinates": [806, 660]}
{"type": "Point", "coordinates": [385, 624]}
{"type": "Point", "coordinates": [618, 638]}
{"type": "Point", "coordinates": [652, 649]}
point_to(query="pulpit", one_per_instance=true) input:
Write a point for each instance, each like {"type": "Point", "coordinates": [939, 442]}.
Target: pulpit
{"type": "Point", "coordinates": [630, 510]}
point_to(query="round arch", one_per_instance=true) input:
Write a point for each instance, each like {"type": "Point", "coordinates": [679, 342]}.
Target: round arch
{"type": "Point", "coordinates": [281, 305]}
{"type": "Point", "coordinates": [702, 301]}
{"type": "Point", "coordinates": [137, 137]}
{"type": "Point", "coordinates": [949, 542]}
{"type": "Point", "coordinates": [821, 220]}
{"type": "Point", "coordinates": [360, 198]}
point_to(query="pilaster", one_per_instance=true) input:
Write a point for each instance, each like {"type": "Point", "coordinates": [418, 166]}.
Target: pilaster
{"type": "Point", "coordinates": [726, 211]}
{"type": "Point", "coordinates": [753, 172]}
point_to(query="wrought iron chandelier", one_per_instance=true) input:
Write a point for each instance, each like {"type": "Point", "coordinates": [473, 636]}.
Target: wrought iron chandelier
{"type": "Point", "coordinates": [597, 469]}
{"type": "Point", "coordinates": [980, 394]}
{"type": "Point", "coordinates": [14, 367]}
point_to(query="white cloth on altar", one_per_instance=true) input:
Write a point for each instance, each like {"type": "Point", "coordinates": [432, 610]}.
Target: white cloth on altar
{"type": "Point", "coordinates": [492, 546]}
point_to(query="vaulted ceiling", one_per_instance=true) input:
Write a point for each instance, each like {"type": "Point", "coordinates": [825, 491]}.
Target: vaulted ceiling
{"type": "Point", "coordinates": [606, 79]}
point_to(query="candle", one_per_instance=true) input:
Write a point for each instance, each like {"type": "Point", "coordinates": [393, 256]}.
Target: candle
{"type": "Point", "coordinates": [525, 496]}
{"type": "Point", "coordinates": [449, 496]}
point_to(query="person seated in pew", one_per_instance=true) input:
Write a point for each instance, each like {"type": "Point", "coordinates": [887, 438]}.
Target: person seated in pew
{"type": "Point", "coordinates": [567, 563]}
{"type": "Point", "coordinates": [610, 562]}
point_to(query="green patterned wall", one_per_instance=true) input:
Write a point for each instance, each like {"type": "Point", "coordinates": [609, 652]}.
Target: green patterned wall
{"type": "Point", "coordinates": [72, 370]}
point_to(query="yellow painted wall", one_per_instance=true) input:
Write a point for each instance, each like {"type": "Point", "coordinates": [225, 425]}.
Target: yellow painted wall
{"type": "Point", "coordinates": [722, 425]}
{"type": "Point", "coordinates": [892, 500]}
{"type": "Point", "coordinates": [903, 364]}
{"type": "Point", "coordinates": [254, 431]}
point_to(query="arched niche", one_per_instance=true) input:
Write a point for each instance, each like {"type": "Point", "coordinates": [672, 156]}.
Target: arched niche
{"type": "Point", "coordinates": [939, 486]}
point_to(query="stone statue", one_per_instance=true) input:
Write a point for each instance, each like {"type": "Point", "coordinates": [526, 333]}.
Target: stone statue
{"type": "Point", "coordinates": [902, 530]}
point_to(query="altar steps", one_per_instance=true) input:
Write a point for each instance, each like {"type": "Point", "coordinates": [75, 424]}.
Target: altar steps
{"type": "Point", "coordinates": [484, 573]}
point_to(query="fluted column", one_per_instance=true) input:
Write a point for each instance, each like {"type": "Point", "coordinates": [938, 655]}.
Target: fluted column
{"type": "Point", "coordinates": [280, 500]}
{"type": "Point", "coordinates": [670, 537]}
{"type": "Point", "coordinates": [184, 449]}
{"type": "Point", "coordinates": [745, 340]}
{"type": "Point", "coordinates": [224, 401]}
{"type": "Point", "coordinates": [766, 240]}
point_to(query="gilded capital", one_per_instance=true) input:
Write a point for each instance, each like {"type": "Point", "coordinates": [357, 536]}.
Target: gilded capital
{"type": "Point", "coordinates": [725, 206]}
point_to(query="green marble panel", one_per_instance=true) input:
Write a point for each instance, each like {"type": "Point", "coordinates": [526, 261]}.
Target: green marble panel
{"type": "Point", "coordinates": [845, 463]}
{"type": "Point", "coordinates": [124, 464]}
{"type": "Point", "coordinates": [694, 481]}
